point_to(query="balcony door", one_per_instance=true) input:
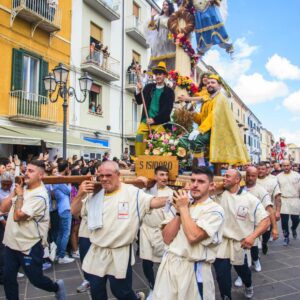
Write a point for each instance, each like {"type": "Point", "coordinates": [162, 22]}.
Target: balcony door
{"type": "Point", "coordinates": [31, 75]}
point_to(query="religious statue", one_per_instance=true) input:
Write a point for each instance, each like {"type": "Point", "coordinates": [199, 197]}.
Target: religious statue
{"type": "Point", "coordinates": [158, 37]}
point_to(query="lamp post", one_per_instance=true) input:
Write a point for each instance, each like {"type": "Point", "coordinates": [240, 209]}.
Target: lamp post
{"type": "Point", "coordinates": [58, 81]}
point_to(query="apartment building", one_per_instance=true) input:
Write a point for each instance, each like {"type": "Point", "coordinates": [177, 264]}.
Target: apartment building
{"type": "Point", "coordinates": [109, 117]}
{"type": "Point", "coordinates": [267, 141]}
{"type": "Point", "coordinates": [34, 37]}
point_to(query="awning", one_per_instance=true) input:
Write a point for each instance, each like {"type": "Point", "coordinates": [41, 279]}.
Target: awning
{"type": "Point", "coordinates": [52, 139]}
{"type": "Point", "coordinates": [8, 135]}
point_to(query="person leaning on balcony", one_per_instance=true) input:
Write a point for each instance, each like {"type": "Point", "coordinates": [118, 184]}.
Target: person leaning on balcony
{"type": "Point", "coordinates": [26, 234]}
{"type": "Point", "coordinates": [159, 101]}
{"type": "Point", "coordinates": [106, 55]}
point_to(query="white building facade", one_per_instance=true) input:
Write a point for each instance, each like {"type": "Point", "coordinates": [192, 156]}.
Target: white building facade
{"type": "Point", "coordinates": [108, 117]}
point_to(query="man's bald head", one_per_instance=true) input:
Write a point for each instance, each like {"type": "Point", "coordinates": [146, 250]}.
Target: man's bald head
{"type": "Point", "coordinates": [251, 176]}
{"type": "Point", "coordinates": [232, 179]}
{"type": "Point", "coordinates": [109, 164]}
{"type": "Point", "coordinates": [286, 166]}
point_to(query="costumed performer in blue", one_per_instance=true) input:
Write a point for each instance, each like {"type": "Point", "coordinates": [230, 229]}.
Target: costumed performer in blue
{"type": "Point", "coordinates": [209, 27]}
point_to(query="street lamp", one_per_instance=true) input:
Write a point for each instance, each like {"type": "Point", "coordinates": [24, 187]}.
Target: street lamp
{"type": "Point", "coordinates": [58, 81]}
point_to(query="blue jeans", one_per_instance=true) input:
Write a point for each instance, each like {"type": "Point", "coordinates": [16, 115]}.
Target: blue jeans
{"type": "Point", "coordinates": [65, 219]}
{"type": "Point", "coordinates": [32, 265]}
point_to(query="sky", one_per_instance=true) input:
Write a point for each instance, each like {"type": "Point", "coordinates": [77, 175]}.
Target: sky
{"type": "Point", "coordinates": [265, 70]}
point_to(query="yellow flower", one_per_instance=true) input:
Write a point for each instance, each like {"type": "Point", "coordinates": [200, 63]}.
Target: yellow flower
{"type": "Point", "coordinates": [181, 152]}
{"type": "Point", "coordinates": [156, 151]}
{"type": "Point", "coordinates": [169, 154]}
{"type": "Point", "coordinates": [147, 152]}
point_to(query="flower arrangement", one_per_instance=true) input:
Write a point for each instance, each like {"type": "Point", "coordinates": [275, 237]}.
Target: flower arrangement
{"type": "Point", "coordinates": [165, 143]}
{"type": "Point", "coordinates": [181, 40]}
{"type": "Point", "coordinates": [183, 82]}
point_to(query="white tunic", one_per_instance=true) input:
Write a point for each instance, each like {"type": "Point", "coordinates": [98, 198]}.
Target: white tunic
{"type": "Point", "coordinates": [176, 277]}
{"type": "Point", "coordinates": [123, 211]}
{"type": "Point", "coordinates": [270, 183]}
{"type": "Point", "coordinates": [151, 240]}
{"type": "Point", "coordinates": [23, 235]}
{"type": "Point", "coordinates": [242, 213]}
{"type": "Point", "coordinates": [290, 192]}
{"type": "Point", "coordinates": [259, 192]}
{"type": "Point", "coordinates": [83, 228]}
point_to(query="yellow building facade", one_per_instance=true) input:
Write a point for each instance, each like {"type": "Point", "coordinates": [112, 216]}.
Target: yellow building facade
{"type": "Point", "coordinates": [34, 38]}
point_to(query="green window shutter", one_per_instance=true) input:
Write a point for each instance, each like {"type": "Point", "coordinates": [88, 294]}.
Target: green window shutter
{"type": "Point", "coordinates": [17, 70]}
{"type": "Point", "coordinates": [43, 72]}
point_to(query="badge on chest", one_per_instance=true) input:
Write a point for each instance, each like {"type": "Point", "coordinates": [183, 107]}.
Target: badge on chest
{"type": "Point", "coordinates": [123, 210]}
{"type": "Point", "coordinates": [241, 213]}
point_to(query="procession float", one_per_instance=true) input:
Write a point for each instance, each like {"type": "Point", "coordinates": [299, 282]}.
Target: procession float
{"type": "Point", "coordinates": [169, 37]}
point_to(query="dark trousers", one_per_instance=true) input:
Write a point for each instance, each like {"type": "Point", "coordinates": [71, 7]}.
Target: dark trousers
{"type": "Point", "coordinates": [149, 272]}
{"type": "Point", "coordinates": [2, 250]}
{"type": "Point", "coordinates": [32, 265]}
{"type": "Point", "coordinates": [254, 253]}
{"type": "Point", "coordinates": [121, 288]}
{"type": "Point", "coordinates": [84, 246]}
{"type": "Point", "coordinates": [285, 223]}
{"type": "Point", "coordinates": [223, 273]}
{"type": "Point", "coordinates": [53, 231]}
{"type": "Point", "coordinates": [266, 236]}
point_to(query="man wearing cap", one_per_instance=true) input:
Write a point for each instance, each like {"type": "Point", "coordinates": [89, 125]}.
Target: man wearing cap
{"type": "Point", "coordinates": [159, 100]}
{"type": "Point", "coordinates": [217, 129]}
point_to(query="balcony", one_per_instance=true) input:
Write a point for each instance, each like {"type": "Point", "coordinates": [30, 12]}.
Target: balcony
{"type": "Point", "coordinates": [109, 9]}
{"type": "Point", "coordinates": [134, 29]}
{"type": "Point", "coordinates": [39, 13]}
{"type": "Point", "coordinates": [31, 108]}
{"type": "Point", "coordinates": [131, 80]}
{"type": "Point", "coordinates": [94, 63]}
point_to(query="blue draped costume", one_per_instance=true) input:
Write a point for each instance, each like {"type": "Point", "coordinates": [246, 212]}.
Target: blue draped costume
{"type": "Point", "coordinates": [210, 28]}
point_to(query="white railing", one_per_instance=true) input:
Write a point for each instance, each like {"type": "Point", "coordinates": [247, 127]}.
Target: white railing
{"type": "Point", "coordinates": [134, 22]}
{"type": "Point", "coordinates": [43, 8]}
{"type": "Point", "coordinates": [32, 106]}
{"type": "Point", "coordinates": [97, 57]}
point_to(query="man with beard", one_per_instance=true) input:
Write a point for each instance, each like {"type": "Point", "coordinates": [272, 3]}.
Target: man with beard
{"type": "Point", "coordinates": [245, 220]}
{"type": "Point", "coordinates": [192, 237]}
{"type": "Point", "coordinates": [26, 234]}
{"type": "Point", "coordinates": [151, 240]}
{"type": "Point", "coordinates": [270, 183]}
{"type": "Point", "coordinates": [217, 129]}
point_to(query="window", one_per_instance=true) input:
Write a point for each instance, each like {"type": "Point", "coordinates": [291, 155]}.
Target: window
{"type": "Point", "coordinates": [96, 34]}
{"type": "Point", "coordinates": [245, 139]}
{"type": "Point", "coordinates": [31, 72]}
{"type": "Point", "coordinates": [136, 10]}
{"type": "Point", "coordinates": [28, 71]}
{"type": "Point", "coordinates": [238, 112]}
{"type": "Point", "coordinates": [231, 104]}
{"type": "Point", "coordinates": [136, 56]}
{"type": "Point", "coordinates": [134, 116]}
{"type": "Point", "coordinates": [95, 100]}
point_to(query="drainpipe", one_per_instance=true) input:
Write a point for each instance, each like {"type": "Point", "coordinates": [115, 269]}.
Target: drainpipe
{"type": "Point", "coordinates": [122, 76]}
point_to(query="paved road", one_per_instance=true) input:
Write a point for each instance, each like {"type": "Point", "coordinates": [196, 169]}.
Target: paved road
{"type": "Point", "coordinates": [279, 279]}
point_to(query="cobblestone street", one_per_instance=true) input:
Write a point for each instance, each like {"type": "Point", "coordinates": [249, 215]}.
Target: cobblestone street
{"type": "Point", "coordinates": [279, 279]}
